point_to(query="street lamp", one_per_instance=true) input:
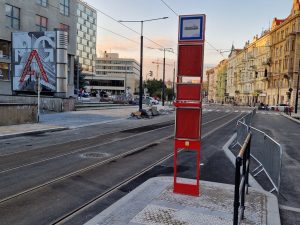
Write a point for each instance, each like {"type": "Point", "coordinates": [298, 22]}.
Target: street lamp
{"type": "Point", "coordinates": [141, 55]}
{"type": "Point", "coordinates": [297, 91]}
{"type": "Point", "coordinates": [164, 73]}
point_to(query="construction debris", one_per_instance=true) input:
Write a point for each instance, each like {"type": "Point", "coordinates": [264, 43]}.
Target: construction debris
{"type": "Point", "coordinates": [150, 112]}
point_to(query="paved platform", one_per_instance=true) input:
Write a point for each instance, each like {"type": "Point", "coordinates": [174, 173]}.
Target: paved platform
{"type": "Point", "coordinates": [154, 203]}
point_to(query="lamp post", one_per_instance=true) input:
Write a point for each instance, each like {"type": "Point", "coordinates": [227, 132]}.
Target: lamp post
{"type": "Point", "coordinates": [141, 55]}
{"type": "Point", "coordinates": [173, 82]}
{"type": "Point", "coordinates": [297, 91]}
{"type": "Point", "coordinates": [164, 73]}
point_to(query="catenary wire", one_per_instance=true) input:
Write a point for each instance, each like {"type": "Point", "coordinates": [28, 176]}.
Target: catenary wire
{"type": "Point", "coordinates": [108, 30]}
{"type": "Point", "coordinates": [169, 7]}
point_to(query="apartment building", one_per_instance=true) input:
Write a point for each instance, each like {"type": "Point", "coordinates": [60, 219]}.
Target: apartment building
{"type": "Point", "coordinates": [212, 84]}
{"type": "Point", "coordinates": [285, 57]}
{"type": "Point", "coordinates": [266, 69]}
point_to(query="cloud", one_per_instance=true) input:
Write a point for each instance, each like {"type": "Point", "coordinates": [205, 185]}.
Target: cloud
{"type": "Point", "coordinates": [124, 47]}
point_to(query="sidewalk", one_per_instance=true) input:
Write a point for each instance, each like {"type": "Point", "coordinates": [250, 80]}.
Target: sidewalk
{"type": "Point", "coordinates": [294, 117]}
{"type": "Point", "coordinates": [154, 203]}
{"type": "Point", "coordinates": [50, 122]}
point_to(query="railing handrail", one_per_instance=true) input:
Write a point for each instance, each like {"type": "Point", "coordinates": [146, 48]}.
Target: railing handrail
{"type": "Point", "coordinates": [243, 149]}
{"type": "Point", "coordinates": [241, 181]}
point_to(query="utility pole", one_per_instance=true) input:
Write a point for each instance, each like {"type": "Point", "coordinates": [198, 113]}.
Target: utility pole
{"type": "Point", "coordinates": [38, 77]}
{"type": "Point", "coordinates": [278, 84]}
{"type": "Point", "coordinates": [141, 55]}
{"type": "Point", "coordinates": [297, 90]}
{"type": "Point", "coordinates": [174, 82]}
{"type": "Point", "coordinates": [164, 75]}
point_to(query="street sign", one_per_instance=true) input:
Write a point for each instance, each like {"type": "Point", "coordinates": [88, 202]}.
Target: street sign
{"type": "Point", "coordinates": [191, 28]}
{"type": "Point", "coordinates": [190, 60]}
{"type": "Point", "coordinates": [188, 100]}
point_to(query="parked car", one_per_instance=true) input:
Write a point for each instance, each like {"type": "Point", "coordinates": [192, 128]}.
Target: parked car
{"type": "Point", "coordinates": [151, 101]}
{"type": "Point", "coordinates": [280, 107]}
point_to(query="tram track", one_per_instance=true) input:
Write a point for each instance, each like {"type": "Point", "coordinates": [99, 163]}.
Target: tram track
{"type": "Point", "coordinates": [108, 139]}
{"type": "Point", "coordinates": [101, 163]}
{"type": "Point", "coordinates": [81, 208]}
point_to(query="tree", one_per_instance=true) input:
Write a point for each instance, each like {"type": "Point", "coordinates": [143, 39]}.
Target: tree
{"type": "Point", "coordinates": [154, 87]}
{"type": "Point", "coordinates": [82, 82]}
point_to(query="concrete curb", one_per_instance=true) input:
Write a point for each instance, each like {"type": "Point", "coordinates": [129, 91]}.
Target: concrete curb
{"type": "Point", "coordinates": [6, 136]}
{"type": "Point", "coordinates": [231, 157]}
{"type": "Point", "coordinates": [290, 117]}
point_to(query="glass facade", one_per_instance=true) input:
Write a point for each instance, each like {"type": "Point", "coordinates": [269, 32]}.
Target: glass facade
{"type": "Point", "coordinates": [86, 36]}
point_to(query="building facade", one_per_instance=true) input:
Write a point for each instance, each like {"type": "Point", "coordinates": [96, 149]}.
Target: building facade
{"type": "Point", "coordinates": [212, 85]}
{"type": "Point", "coordinates": [86, 37]}
{"type": "Point", "coordinates": [115, 75]}
{"type": "Point", "coordinates": [38, 15]}
{"type": "Point", "coordinates": [221, 81]}
{"type": "Point", "coordinates": [266, 70]}
{"type": "Point", "coordinates": [233, 75]}
{"type": "Point", "coordinates": [285, 58]}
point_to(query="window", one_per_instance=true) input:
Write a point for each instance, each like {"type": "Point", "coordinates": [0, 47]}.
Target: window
{"type": "Point", "coordinates": [43, 2]}
{"type": "Point", "coordinates": [64, 7]}
{"type": "Point", "coordinates": [13, 16]}
{"type": "Point", "coordinates": [41, 23]}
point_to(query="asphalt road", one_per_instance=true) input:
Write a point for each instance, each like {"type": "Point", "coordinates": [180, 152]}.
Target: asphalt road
{"type": "Point", "coordinates": [44, 177]}
{"type": "Point", "coordinates": [287, 133]}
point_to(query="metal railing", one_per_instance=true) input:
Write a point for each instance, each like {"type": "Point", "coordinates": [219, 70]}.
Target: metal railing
{"type": "Point", "coordinates": [241, 180]}
{"type": "Point", "coordinates": [243, 125]}
{"type": "Point", "coordinates": [268, 154]}
{"type": "Point", "coordinates": [264, 150]}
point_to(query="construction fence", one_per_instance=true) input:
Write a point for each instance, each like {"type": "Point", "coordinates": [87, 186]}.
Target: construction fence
{"type": "Point", "coordinates": [264, 150]}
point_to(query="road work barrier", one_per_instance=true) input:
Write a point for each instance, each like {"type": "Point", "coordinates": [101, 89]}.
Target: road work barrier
{"type": "Point", "coordinates": [264, 150]}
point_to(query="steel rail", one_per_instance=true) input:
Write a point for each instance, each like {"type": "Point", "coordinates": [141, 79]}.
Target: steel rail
{"type": "Point", "coordinates": [92, 146]}
{"type": "Point", "coordinates": [93, 201]}
{"type": "Point", "coordinates": [106, 161]}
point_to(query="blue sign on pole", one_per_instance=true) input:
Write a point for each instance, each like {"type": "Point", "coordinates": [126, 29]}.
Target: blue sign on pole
{"type": "Point", "coordinates": [191, 28]}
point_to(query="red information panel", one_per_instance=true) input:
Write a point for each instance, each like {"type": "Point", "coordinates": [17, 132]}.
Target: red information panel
{"type": "Point", "coordinates": [188, 92]}
{"type": "Point", "coordinates": [190, 60]}
{"type": "Point", "coordinates": [188, 123]}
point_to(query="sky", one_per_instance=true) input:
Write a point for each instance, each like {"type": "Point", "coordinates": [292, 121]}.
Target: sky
{"type": "Point", "coordinates": [227, 22]}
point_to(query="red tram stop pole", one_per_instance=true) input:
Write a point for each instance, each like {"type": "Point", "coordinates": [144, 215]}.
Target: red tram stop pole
{"type": "Point", "coordinates": [188, 98]}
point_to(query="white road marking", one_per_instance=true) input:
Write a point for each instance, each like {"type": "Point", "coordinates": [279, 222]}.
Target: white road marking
{"type": "Point", "coordinates": [289, 208]}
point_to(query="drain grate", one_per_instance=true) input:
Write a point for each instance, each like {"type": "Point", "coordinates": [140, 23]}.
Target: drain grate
{"type": "Point", "coordinates": [94, 155]}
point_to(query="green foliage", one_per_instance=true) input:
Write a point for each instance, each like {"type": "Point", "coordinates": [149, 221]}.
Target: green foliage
{"type": "Point", "coordinates": [154, 87]}
{"type": "Point", "coordinates": [82, 81]}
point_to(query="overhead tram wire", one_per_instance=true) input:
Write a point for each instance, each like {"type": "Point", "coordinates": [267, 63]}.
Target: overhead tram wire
{"type": "Point", "coordinates": [169, 7]}
{"type": "Point", "coordinates": [112, 18]}
{"type": "Point", "coordinates": [103, 28]}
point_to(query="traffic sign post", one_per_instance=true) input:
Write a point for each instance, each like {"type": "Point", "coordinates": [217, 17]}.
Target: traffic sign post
{"type": "Point", "coordinates": [38, 77]}
{"type": "Point", "coordinates": [188, 103]}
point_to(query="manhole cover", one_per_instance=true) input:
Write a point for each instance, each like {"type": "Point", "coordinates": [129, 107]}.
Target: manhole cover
{"type": "Point", "coordinates": [94, 155]}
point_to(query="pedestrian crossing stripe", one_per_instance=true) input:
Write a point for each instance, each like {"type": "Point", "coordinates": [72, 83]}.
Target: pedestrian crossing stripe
{"type": "Point", "coordinates": [241, 111]}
